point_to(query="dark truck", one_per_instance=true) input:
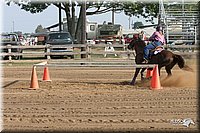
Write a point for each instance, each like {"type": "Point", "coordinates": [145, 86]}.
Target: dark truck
{"type": "Point", "coordinates": [13, 40]}
{"type": "Point", "coordinates": [58, 40]}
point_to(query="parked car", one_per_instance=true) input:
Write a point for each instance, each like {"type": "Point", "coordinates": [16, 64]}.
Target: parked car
{"type": "Point", "coordinates": [13, 40]}
{"type": "Point", "coordinates": [60, 39]}
{"type": "Point", "coordinates": [128, 38]}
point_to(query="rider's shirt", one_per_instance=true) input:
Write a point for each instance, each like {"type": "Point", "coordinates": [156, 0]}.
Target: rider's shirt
{"type": "Point", "coordinates": [158, 37]}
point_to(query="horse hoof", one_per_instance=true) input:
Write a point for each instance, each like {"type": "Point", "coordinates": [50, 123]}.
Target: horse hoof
{"type": "Point", "coordinates": [132, 83]}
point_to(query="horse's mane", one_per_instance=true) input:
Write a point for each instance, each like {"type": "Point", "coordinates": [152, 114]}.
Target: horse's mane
{"type": "Point", "coordinates": [140, 42]}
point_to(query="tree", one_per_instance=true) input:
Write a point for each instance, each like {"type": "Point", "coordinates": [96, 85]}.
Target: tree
{"type": "Point", "coordinates": [40, 29]}
{"type": "Point", "coordinates": [147, 10]}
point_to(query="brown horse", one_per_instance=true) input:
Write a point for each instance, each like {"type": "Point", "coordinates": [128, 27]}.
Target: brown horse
{"type": "Point", "coordinates": [164, 58]}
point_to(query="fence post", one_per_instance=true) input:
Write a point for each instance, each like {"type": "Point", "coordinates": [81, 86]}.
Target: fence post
{"type": "Point", "coordinates": [48, 52]}
{"type": "Point", "coordinates": [88, 50]}
{"type": "Point", "coordinates": [9, 52]}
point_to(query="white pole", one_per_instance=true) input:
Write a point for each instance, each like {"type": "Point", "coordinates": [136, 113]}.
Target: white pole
{"type": "Point", "coordinates": [195, 32]}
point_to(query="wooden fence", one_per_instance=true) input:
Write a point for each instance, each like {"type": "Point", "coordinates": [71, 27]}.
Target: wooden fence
{"type": "Point", "coordinates": [91, 49]}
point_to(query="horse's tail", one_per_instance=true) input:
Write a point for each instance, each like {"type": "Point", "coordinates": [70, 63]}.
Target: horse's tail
{"type": "Point", "coordinates": [181, 63]}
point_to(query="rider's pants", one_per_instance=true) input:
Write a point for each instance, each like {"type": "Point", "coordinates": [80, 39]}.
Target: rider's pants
{"type": "Point", "coordinates": [149, 47]}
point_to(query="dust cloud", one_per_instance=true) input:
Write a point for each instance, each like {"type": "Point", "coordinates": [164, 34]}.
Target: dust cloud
{"type": "Point", "coordinates": [181, 79]}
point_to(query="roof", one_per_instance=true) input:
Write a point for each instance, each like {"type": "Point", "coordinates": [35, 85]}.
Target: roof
{"type": "Point", "coordinates": [53, 26]}
{"type": "Point", "coordinates": [108, 27]}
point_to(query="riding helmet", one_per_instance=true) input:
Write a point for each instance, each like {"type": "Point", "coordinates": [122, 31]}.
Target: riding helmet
{"type": "Point", "coordinates": [159, 28]}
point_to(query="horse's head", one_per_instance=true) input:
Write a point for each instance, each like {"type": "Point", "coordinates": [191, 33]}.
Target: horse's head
{"type": "Point", "coordinates": [133, 41]}
{"type": "Point", "coordinates": [136, 42]}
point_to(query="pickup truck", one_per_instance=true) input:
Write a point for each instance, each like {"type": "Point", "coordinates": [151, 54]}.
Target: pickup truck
{"type": "Point", "coordinates": [59, 40]}
{"type": "Point", "coordinates": [13, 40]}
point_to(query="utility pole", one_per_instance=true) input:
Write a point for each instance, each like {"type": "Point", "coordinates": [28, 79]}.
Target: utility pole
{"type": "Point", "coordinates": [60, 17]}
{"type": "Point", "coordinates": [113, 16]}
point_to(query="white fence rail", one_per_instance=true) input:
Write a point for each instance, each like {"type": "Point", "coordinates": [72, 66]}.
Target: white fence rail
{"type": "Point", "coordinates": [90, 49]}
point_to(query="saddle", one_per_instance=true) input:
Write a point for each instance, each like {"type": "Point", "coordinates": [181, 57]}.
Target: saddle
{"type": "Point", "coordinates": [157, 50]}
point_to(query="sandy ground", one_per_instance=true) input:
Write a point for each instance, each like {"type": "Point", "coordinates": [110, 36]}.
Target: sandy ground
{"type": "Point", "coordinates": [97, 99]}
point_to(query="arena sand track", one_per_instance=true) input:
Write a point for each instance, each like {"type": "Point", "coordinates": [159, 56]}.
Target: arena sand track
{"type": "Point", "coordinates": [97, 99]}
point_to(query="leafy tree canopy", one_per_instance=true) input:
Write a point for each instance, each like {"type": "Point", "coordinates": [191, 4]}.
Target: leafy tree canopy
{"type": "Point", "coordinates": [130, 8]}
{"type": "Point", "coordinates": [147, 10]}
{"type": "Point", "coordinates": [40, 29]}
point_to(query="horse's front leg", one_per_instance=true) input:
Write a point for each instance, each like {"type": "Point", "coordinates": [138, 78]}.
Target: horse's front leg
{"type": "Point", "coordinates": [142, 75]}
{"type": "Point", "coordinates": [159, 68]}
{"type": "Point", "coordinates": [135, 76]}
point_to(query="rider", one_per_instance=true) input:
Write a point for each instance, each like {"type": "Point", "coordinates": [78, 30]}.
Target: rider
{"type": "Point", "coordinates": [157, 39]}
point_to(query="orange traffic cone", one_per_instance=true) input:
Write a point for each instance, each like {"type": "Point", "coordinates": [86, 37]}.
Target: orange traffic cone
{"type": "Point", "coordinates": [155, 81]}
{"type": "Point", "coordinates": [46, 76]}
{"type": "Point", "coordinates": [149, 73]}
{"type": "Point", "coordinates": [34, 79]}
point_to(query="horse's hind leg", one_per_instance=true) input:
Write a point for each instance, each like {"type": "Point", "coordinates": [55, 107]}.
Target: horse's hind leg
{"type": "Point", "coordinates": [169, 67]}
{"type": "Point", "coordinates": [135, 76]}
{"type": "Point", "coordinates": [168, 70]}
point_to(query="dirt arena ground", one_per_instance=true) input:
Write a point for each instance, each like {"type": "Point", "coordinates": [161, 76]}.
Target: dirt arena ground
{"type": "Point", "coordinates": [97, 99]}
